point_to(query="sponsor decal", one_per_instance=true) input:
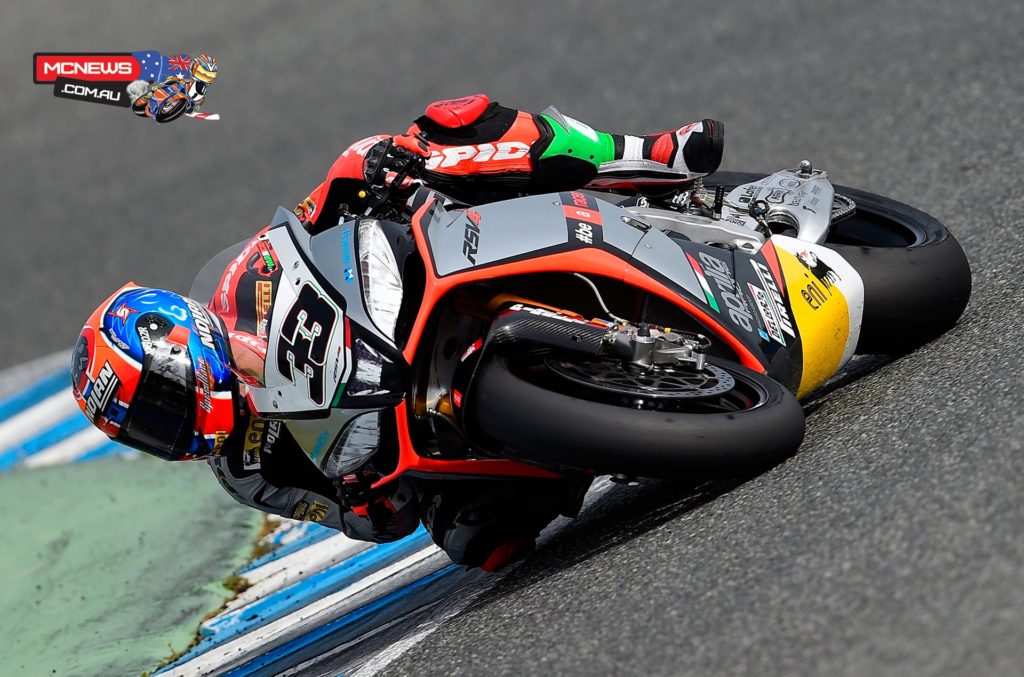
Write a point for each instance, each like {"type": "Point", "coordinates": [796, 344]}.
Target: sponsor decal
{"type": "Point", "coordinates": [204, 379]}
{"type": "Point", "coordinates": [218, 441]}
{"type": "Point", "coordinates": [776, 196]}
{"type": "Point", "coordinates": [582, 217]}
{"type": "Point", "coordinates": [201, 322]}
{"type": "Point", "coordinates": [544, 312]}
{"type": "Point", "coordinates": [789, 183]}
{"type": "Point", "coordinates": [266, 258]}
{"type": "Point", "coordinates": [775, 295]}
{"type": "Point", "coordinates": [252, 443]}
{"type": "Point", "coordinates": [699, 272]}
{"type": "Point", "coordinates": [739, 311]}
{"type": "Point", "coordinates": [122, 312]}
{"type": "Point", "coordinates": [471, 241]}
{"type": "Point", "coordinates": [456, 398]}
{"type": "Point", "coordinates": [478, 153]}
{"type": "Point", "coordinates": [813, 295]}
{"type": "Point", "coordinates": [117, 340]}
{"type": "Point", "coordinates": [102, 392]}
{"type": "Point", "coordinates": [264, 299]}
{"type": "Point", "coordinates": [312, 511]}
{"type": "Point", "coordinates": [764, 306]}
{"type": "Point", "coordinates": [473, 216]}
{"type": "Point", "coordinates": [346, 254]}
{"type": "Point", "coordinates": [477, 344]}
{"type": "Point", "coordinates": [819, 269]}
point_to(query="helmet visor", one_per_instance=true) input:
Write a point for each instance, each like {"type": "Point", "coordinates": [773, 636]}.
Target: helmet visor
{"type": "Point", "coordinates": [200, 73]}
{"type": "Point", "coordinates": [161, 420]}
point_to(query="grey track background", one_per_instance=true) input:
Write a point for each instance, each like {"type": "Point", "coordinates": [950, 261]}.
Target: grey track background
{"type": "Point", "coordinates": [891, 544]}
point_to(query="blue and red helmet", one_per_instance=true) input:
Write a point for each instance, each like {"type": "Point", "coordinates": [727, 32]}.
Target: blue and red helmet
{"type": "Point", "coordinates": [152, 370]}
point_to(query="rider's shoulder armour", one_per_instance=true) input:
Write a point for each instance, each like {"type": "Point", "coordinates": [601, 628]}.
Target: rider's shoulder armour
{"type": "Point", "coordinates": [454, 113]}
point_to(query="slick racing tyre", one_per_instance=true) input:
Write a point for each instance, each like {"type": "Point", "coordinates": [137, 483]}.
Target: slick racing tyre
{"type": "Point", "coordinates": [597, 415]}
{"type": "Point", "coordinates": [917, 280]}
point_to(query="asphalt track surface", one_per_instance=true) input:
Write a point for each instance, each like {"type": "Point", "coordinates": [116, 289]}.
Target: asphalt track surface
{"type": "Point", "coordinates": [890, 544]}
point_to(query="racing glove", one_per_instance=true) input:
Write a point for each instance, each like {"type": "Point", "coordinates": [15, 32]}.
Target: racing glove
{"type": "Point", "coordinates": [356, 495]}
{"type": "Point", "coordinates": [388, 157]}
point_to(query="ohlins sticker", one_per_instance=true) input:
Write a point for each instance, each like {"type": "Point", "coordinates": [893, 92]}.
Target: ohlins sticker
{"type": "Point", "coordinates": [582, 218]}
{"type": "Point", "coordinates": [770, 305]}
{"type": "Point", "coordinates": [479, 153]}
{"type": "Point", "coordinates": [102, 392]}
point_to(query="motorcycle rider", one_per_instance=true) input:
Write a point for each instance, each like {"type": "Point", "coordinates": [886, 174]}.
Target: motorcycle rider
{"type": "Point", "coordinates": [202, 73]}
{"type": "Point", "coordinates": [161, 373]}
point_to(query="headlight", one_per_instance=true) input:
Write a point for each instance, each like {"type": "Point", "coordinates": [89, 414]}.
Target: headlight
{"type": "Point", "coordinates": [382, 281]}
{"type": "Point", "coordinates": [357, 443]}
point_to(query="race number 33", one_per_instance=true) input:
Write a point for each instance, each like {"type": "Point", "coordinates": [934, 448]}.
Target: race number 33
{"type": "Point", "coordinates": [304, 339]}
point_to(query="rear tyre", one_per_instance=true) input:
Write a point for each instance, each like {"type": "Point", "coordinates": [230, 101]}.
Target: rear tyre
{"type": "Point", "coordinates": [531, 410]}
{"type": "Point", "coordinates": [917, 280]}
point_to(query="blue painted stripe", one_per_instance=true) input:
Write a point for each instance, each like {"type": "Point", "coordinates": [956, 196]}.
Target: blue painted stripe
{"type": "Point", "coordinates": [290, 599]}
{"type": "Point", "coordinates": [267, 663]}
{"type": "Point", "coordinates": [40, 390]}
{"type": "Point", "coordinates": [317, 586]}
{"type": "Point", "coordinates": [58, 432]}
{"type": "Point", "coordinates": [314, 534]}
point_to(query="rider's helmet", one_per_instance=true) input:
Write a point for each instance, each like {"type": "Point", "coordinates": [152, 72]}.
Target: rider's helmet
{"type": "Point", "coordinates": [151, 369]}
{"type": "Point", "coordinates": [204, 68]}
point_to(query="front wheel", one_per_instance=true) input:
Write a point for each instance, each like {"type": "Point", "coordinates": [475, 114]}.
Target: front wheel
{"type": "Point", "coordinates": [603, 417]}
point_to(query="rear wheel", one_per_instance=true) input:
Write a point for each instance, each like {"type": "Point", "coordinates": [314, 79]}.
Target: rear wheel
{"type": "Point", "coordinates": [917, 280]}
{"type": "Point", "coordinates": [607, 417]}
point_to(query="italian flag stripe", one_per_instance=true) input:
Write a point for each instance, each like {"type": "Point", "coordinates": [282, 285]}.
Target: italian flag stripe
{"type": "Point", "coordinates": [703, 282]}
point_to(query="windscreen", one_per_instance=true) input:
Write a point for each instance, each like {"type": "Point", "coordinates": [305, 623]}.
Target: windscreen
{"type": "Point", "coordinates": [208, 279]}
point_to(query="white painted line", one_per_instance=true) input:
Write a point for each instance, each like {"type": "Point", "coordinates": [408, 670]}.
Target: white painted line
{"type": "Point", "coordinates": [68, 450]}
{"type": "Point", "coordinates": [261, 640]}
{"type": "Point", "coordinates": [17, 377]}
{"type": "Point", "coordinates": [37, 419]}
{"type": "Point", "coordinates": [291, 569]}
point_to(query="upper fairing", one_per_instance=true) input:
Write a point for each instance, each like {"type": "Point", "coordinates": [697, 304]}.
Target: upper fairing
{"type": "Point", "coordinates": [528, 226]}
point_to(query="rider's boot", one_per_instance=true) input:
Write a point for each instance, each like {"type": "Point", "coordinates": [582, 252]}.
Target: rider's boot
{"type": "Point", "coordinates": [630, 161]}
{"type": "Point", "coordinates": [679, 155]}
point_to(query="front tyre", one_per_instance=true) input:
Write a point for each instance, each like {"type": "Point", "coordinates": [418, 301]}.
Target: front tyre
{"type": "Point", "coordinates": [595, 416]}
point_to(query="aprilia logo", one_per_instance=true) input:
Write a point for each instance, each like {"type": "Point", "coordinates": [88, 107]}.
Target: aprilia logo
{"type": "Point", "coordinates": [471, 241]}
{"type": "Point", "coordinates": [718, 271]}
{"type": "Point", "coordinates": [484, 152]}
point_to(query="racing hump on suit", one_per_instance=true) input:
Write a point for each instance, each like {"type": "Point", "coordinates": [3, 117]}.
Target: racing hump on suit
{"type": "Point", "coordinates": [455, 113]}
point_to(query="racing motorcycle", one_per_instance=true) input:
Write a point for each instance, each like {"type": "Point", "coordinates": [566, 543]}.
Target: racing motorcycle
{"type": "Point", "coordinates": [166, 102]}
{"type": "Point", "coordinates": [582, 333]}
